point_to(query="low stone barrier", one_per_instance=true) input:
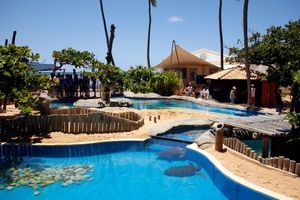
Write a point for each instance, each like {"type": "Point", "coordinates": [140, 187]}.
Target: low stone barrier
{"type": "Point", "coordinates": [280, 162]}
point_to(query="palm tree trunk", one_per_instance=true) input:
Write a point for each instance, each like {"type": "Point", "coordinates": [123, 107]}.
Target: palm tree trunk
{"type": "Point", "coordinates": [149, 32]}
{"type": "Point", "coordinates": [221, 35]}
{"type": "Point", "coordinates": [105, 30]}
{"type": "Point", "coordinates": [247, 64]}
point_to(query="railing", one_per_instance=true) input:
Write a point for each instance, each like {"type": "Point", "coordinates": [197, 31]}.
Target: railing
{"type": "Point", "coordinates": [73, 120]}
{"type": "Point", "coordinates": [278, 162]}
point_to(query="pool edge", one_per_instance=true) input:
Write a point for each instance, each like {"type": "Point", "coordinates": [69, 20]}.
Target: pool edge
{"type": "Point", "coordinates": [236, 178]}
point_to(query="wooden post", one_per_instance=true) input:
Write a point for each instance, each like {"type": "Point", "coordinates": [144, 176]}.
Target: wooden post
{"type": "Point", "coordinates": [244, 149]}
{"type": "Point", "coordinates": [241, 147]}
{"type": "Point", "coordinates": [255, 156]}
{"type": "Point", "coordinates": [158, 117]}
{"type": "Point", "coordinates": [265, 147]}
{"type": "Point", "coordinates": [297, 170]}
{"type": "Point", "coordinates": [286, 164]}
{"type": "Point", "coordinates": [252, 153]}
{"type": "Point", "coordinates": [233, 143]}
{"type": "Point", "coordinates": [150, 118]}
{"type": "Point", "coordinates": [268, 161]}
{"type": "Point", "coordinates": [292, 166]}
{"type": "Point", "coordinates": [275, 163]}
{"type": "Point", "coordinates": [154, 119]}
{"type": "Point", "coordinates": [280, 162]}
{"type": "Point", "coordinates": [219, 137]}
{"type": "Point", "coordinates": [271, 162]}
{"type": "Point", "coordinates": [263, 161]}
{"type": "Point", "coordinates": [237, 145]}
{"type": "Point", "coordinates": [248, 150]}
{"type": "Point", "coordinates": [259, 158]}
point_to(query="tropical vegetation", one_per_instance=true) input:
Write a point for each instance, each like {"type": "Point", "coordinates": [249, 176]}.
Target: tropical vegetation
{"type": "Point", "coordinates": [144, 79]}
{"type": "Point", "coordinates": [18, 78]}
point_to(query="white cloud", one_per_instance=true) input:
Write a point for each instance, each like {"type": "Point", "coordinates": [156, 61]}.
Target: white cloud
{"type": "Point", "coordinates": [175, 19]}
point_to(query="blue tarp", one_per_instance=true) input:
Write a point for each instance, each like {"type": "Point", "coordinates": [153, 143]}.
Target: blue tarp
{"type": "Point", "coordinates": [42, 66]}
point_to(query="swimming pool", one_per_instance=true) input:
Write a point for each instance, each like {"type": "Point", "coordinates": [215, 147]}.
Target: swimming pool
{"type": "Point", "coordinates": [124, 170]}
{"type": "Point", "coordinates": [145, 103]}
{"type": "Point", "coordinates": [177, 103]}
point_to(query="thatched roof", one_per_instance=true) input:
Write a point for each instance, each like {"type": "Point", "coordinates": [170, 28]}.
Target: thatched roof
{"type": "Point", "coordinates": [234, 73]}
{"type": "Point", "coordinates": [182, 58]}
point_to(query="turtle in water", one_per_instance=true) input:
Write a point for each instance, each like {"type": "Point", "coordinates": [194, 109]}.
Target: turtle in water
{"type": "Point", "coordinates": [184, 171]}
{"type": "Point", "coordinates": [172, 153]}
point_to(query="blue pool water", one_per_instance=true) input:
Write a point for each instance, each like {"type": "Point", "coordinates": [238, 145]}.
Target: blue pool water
{"type": "Point", "coordinates": [126, 170]}
{"type": "Point", "coordinates": [170, 103]}
{"type": "Point", "coordinates": [59, 103]}
{"type": "Point", "coordinates": [175, 103]}
{"type": "Point", "coordinates": [187, 134]}
{"type": "Point", "coordinates": [256, 145]}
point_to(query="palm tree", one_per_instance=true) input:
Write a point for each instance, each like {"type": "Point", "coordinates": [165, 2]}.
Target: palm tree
{"type": "Point", "coordinates": [247, 64]}
{"type": "Point", "coordinates": [105, 30]}
{"type": "Point", "coordinates": [150, 3]}
{"type": "Point", "coordinates": [221, 34]}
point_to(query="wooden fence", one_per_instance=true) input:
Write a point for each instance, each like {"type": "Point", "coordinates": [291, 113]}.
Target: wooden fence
{"type": "Point", "coordinates": [73, 120]}
{"type": "Point", "coordinates": [278, 162]}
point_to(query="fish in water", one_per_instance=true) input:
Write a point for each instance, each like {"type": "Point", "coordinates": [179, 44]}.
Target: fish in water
{"type": "Point", "coordinates": [174, 152]}
{"type": "Point", "coordinates": [184, 171]}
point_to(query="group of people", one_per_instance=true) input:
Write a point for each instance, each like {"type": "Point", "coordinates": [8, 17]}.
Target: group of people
{"type": "Point", "coordinates": [197, 93]}
{"type": "Point", "coordinates": [278, 98]}
{"type": "Point", "coordinates": [233, 94]}
{"type": "Point", "coordinates": [72, 85]}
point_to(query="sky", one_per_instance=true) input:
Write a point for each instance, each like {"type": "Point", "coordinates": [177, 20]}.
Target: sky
{"type": "Point", "coordinates": [48, 25]}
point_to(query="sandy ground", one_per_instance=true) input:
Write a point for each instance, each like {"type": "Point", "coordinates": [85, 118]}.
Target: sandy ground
{"type": "Point", "coordinates": [252, 171]}
{"type": "Point", "coordinates": [166, 117]}
{"type": "Point", "coordinates": [266, 177]}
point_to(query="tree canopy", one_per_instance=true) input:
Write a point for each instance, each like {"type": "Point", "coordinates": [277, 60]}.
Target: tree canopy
{"type": "Point", "coordinates": [73, 57]}
{"type": "Point", "coordinates": [18, 79]}
{"type": "Point", "coordinates": [110, 76]}
{"type": "Point", "coordinates": [279, 49]}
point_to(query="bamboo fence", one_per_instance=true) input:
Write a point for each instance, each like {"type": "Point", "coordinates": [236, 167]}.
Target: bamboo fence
{"type": "Point", "coordinates": [72, 120]}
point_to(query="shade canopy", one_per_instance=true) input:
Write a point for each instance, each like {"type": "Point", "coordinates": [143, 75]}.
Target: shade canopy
{"type": "Point", "coordinates": [181, 58]}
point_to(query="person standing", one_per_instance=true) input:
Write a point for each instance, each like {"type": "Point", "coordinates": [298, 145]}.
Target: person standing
{"type": "Point", "coordinates": [252, 94]}
{"type": "Point", "coordinates": [278, 101]}
{"type": "Point", "coordinates": [232, 94]}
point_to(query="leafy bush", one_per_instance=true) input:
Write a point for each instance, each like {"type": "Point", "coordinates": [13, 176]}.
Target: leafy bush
{"type": "Point", "coordinates": [144, 79]}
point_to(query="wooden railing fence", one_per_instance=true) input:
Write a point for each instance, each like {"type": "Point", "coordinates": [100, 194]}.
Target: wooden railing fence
{"type": "Point", "coordinates": [278, 162]}
{"type": "Point", "coordinates": [73, 120]}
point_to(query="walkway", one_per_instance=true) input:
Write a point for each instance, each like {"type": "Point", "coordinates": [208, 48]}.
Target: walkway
{"type": "Point", "coordinates": [270, 125]}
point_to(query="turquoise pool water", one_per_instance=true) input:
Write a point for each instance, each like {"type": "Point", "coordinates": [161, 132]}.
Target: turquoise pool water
{"type": "Point", "coordinates": [124, 170]}
{"type": "Point", "coordinates": [170, 103]}
{"type": "Point", "coordinates": [187, 134]}
{"type": "Point", "coordinates": [59, 103]}
{"type": "Point", "coordinates": [256, 145]}
{"type": "Point", "coordinates": [175, 103]}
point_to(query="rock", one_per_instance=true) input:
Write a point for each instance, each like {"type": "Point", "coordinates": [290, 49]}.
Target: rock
{"type": "Point", "coordinates": [89, 103]}
{"type": "Point", "coordinates": [64, 184]}
{"type": "Point", "coordinates": [36, 193]}
{"type": "Point", "coordinates": [9, 188]}
{"type": "Point", "coordinates": [205, 140]}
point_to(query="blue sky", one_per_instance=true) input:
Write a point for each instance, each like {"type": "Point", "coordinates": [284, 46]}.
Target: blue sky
{"type": "Point", "coordinates": [47, 25]}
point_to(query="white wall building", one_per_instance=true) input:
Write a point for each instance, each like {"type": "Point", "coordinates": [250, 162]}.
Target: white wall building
{"type": "Point", "coordinates": [212, 57]}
